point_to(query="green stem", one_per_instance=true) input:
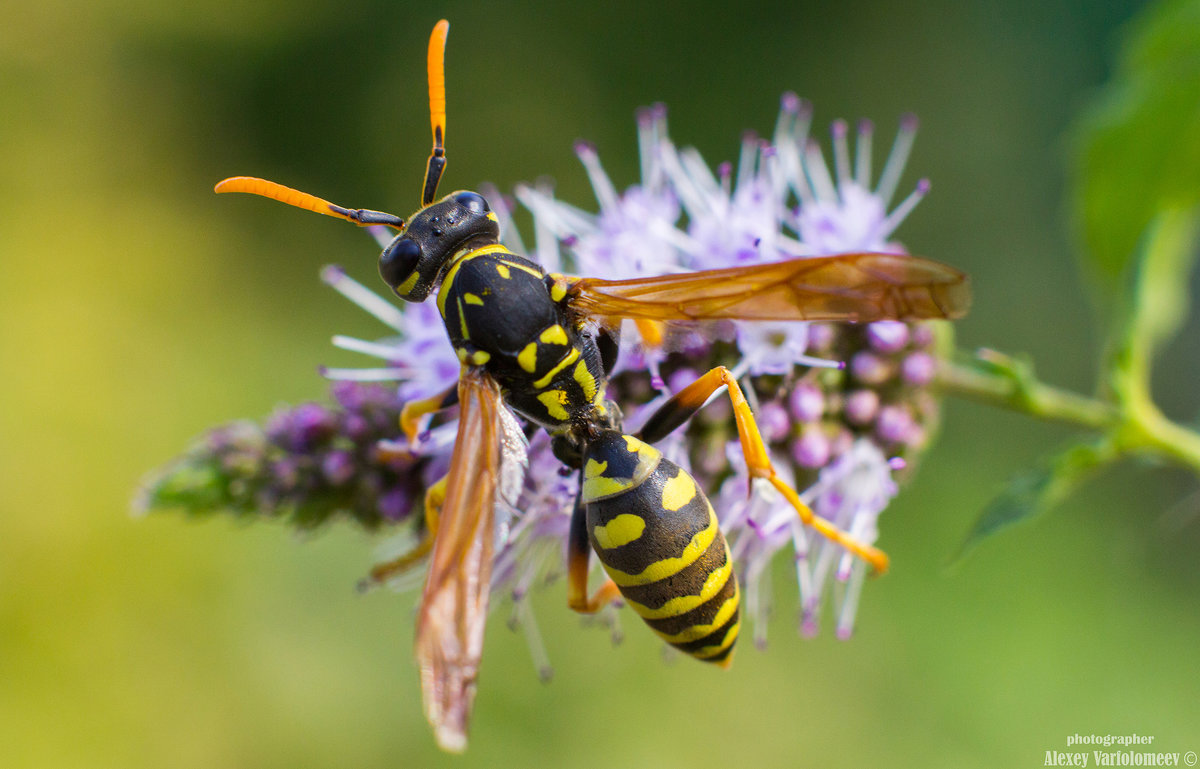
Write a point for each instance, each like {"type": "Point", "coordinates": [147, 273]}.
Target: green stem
{"type": "Point", "coordinates": [999, 380]}
{"type": "Point", "coordinates": [1152, 433]}
{"type": "Point", "coordinates": [1003, 382]}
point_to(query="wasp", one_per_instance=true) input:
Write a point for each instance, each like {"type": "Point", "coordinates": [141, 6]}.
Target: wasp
{"type": "Point", "coordinates": [543, 346]}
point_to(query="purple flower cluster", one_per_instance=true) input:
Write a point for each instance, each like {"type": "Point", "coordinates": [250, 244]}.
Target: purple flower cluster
{"type": "Point", "coordinates": [843, 408]}
{"type": "Point", "coordinates": [308, 464]}
{"type": "Point", "coordinates": [882, 394]}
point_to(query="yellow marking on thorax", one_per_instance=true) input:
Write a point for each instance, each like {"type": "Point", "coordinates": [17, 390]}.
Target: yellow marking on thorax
{"type": "Point", "coordinates": [457, 262]}
{"type": "Point", "coordinates": [586, 381]}
{"type": "Point", "coordinates": [503, 270]}
{"type": "Point", "coordinates": [685, 603]}
{"type": "Point", "coordinates": [554, 401]}
{"type": "Point", "coordinates": [462, 320]}
{"type": "Point", "coordinates": [495, 248]}
{"type": "Point", "coordinates": [523, 268]}
{"type": "Point", "coordinates": [470, 298]}
{"type": "Point", "coordinates": [477, 358]}
{"type": "Point", "coordinates": [556, 334]}
{"type": "Point", "coordinates": [567, 360]}
{"type": "Point", "coordinates": [726, 611]}
{"type": "Point", "coordinates": [622, 530]}
{"type": "Point", "coordinates": [527, 358]}
{"type": "Point", "coordinates": [667, 567]}
{"type": "Point", "coordinates": [448, 281]}
{"type": "Point", "coordinates": [558, 289]}
{"type": "Point", "coordinates": [678, 491]}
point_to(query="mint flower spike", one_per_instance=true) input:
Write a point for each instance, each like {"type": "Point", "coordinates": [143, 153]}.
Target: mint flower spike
{"type": "Point", "coordinates": [837, 405]}
{"type": "Point", "coordinates": [839, 213]}
{"type": "Point", "coordinates": [308, 465]}
{"type": "Point", "coordinates": [842, 407]}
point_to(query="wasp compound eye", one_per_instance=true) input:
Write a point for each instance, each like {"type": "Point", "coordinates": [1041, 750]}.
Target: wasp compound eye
{"type": "Point", "coordinates": [399, 260]}
{"type": "Point", "coordinates": [472, 201]}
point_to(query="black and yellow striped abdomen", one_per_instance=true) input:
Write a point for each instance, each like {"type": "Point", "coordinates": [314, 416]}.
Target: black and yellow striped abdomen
{"type": "Point", "coordinates": [657, 536]}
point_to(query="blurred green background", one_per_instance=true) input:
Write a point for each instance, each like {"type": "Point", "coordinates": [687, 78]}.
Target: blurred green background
{"type": "Point", "coordinates": [138, 309]}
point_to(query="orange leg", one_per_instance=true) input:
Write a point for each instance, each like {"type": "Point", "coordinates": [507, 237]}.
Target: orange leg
{"type": "Point", "coordinates": [578, 553]}
{"type": "Point", "coordinates": [414, 411]}
{"type": "Point", "coordinates": [382, 572]}
{"type": "Point", "coordinates": [651, 332]}
{"type": "Point", "coordinates": [689, 400]}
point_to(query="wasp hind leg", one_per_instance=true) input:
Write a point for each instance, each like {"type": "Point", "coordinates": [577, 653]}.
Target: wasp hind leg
{"type": "Point", "coordinates": [380, 573]}
{"type": "Point", "coordinates": [690, 399]}
{"type": "Point", "coordinates": [579, 550]}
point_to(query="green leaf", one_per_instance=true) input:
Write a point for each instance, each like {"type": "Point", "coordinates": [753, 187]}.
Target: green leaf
{"type": "Point", "coordinates": [1161, 293]}
{"type": "Point", "coordinates": [1137, 150]}
{"type": "Point", "coordinates": [1036, 491]}
{"type": "Point", "coordinates": [1153, 306]}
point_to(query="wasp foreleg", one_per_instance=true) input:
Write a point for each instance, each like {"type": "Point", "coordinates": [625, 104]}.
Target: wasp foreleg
{"type": "Point", "coordinates": [414, 411]}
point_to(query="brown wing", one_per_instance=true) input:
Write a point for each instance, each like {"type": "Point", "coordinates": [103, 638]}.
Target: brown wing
{"type": "Point", "coordinates": [449, 637]}
{"type": "Point", "coordinates": [851, 287]}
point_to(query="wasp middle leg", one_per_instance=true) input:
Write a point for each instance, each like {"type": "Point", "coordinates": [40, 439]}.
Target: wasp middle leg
{"type": "Point", "coordinates": [579, 553]}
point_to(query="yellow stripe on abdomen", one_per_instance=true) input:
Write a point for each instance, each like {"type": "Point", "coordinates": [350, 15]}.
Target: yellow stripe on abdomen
{"type": "Point", "coordinates": [711, 651]}
{"type": "Point", "coordinates": [695, 632]}
{"type": "Point", "coordinates": [685, 603]}
{"type": "Point", "coordinates": [668, 567]}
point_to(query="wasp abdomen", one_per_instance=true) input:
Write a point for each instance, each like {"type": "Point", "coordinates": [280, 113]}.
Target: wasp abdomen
{"type": "Point", "coordinates": [658, 538]}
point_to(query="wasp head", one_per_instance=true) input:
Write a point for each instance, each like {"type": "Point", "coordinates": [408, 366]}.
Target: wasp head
{"type": "Point", "coordinates": [413, 263]}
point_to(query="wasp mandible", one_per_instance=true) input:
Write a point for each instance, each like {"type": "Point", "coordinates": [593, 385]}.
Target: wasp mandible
{"type": "Point", "coordinates": [543, 345]}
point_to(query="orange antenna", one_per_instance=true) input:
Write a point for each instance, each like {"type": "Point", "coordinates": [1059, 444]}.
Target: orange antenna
{"type": "Point", "coordinates": [276, 191]}
{"type": "Point", "coordinates": [437, 110]}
